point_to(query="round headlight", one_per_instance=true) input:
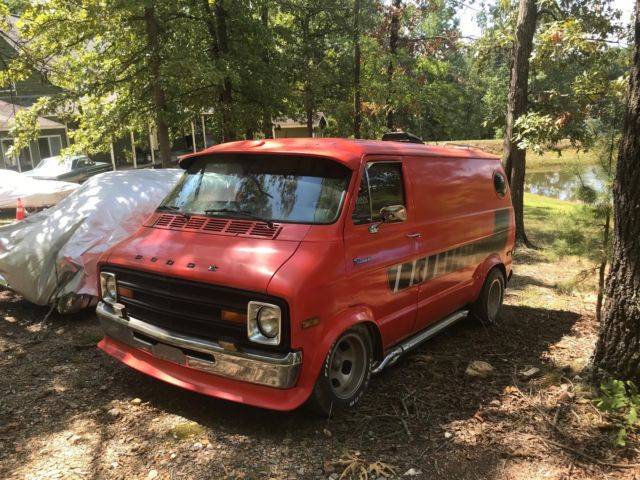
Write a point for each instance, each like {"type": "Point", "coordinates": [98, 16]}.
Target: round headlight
{"type": "Point", "coordinates": [110, 287]}
{"type": "Point", "coordinates": [269, 322]}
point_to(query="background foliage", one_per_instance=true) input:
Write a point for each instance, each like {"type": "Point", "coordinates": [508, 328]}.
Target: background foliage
{"type": "Point", "coordinates": [249, 62]}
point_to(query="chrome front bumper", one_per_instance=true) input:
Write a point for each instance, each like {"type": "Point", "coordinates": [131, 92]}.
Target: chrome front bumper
{"type": "Point", "coordinates": [273, 370]}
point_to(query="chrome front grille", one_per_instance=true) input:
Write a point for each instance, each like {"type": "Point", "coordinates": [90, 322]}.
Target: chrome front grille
{"type": "Point", "coordinates": [190, 308]}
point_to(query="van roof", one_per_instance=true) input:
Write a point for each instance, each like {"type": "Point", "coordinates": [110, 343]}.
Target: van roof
{"type": "Point", "coordinates": [347, 151]}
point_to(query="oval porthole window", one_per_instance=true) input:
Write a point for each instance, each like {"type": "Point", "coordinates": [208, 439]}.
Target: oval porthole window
{"type": "Point", "coordinates": [500, 184]}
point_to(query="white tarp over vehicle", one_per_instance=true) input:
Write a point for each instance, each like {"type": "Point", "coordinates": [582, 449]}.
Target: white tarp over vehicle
{"type": "Point", "coordinates": [52, 255]}
{"type": "Point", "coordinates": [34, 193]}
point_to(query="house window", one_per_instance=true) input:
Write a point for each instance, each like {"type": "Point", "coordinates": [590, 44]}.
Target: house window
{"type": "Point", "coordinates": [49, 145]}
{"type": "Point", "coordinates": [25, 154]}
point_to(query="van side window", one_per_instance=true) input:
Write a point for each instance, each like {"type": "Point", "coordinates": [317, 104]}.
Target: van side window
{"type": "Point", "coordinates": [385, 188]}
{"type": "Point", "coordinates": [500, 184]}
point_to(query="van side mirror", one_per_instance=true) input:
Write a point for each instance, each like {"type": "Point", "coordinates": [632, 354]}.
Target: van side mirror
{"type": "Point", "coordinates": [393, 213]}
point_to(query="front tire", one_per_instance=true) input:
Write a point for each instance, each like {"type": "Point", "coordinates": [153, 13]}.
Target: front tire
{"type": "Point", "coordinates": [487, 307]}
{"type": "Point", "coordinates": [345, 374]}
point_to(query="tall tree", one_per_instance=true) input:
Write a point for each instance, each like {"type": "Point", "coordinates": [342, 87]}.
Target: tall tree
{"type": "Point", "coordinates": [394, 33]}
{"type": "Point", "coordinates": [357, 60]}
{"type": "Point", "coordinates": [317, 35]}
{"type": "Point", "coordinates": [513, 157]}
{"type": "Point", "coordinates": [267, 120]}
{"type": "Point", "coordinates": [115, 63]}
{"type": "Point", "coordinates": [617, 350]}
{"type": "Point", "coordinates": [216, 23]}
{"type": "Point", "coordinates": [159, 96]}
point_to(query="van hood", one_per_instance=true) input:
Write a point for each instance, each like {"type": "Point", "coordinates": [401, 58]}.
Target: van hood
{"type": "Point", "coordinates": [232, 261]}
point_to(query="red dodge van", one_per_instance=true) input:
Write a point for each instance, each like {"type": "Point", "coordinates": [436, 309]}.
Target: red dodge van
{"type": "Point", "coordinates": [281, 271]}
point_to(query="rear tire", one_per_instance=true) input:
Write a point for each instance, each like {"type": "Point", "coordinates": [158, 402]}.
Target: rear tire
{"type": "Point", "coordinates": [487, 307]}
{"type": "Point", "coordinates": [345, 373]}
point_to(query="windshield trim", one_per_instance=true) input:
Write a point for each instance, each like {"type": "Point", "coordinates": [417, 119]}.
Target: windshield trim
{"type": "Point", "coordinates": [214, 156]}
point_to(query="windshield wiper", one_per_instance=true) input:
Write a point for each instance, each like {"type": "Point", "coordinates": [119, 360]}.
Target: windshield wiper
{"type": "Point", "coordinates": [174, 209]}
{"type": "Point", "coordinates": [244, 213]}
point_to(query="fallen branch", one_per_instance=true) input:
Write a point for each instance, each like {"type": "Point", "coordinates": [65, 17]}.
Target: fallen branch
{"type": "Point", "coordinates": [580, 453]}
{"type": "Point", "coordinates": [576, 451]}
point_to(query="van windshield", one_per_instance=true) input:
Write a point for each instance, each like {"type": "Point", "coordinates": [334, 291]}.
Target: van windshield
{"type": "Point", "coordinates": [274, 188]}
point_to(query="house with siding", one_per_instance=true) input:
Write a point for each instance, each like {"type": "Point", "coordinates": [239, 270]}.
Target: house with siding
{"type": "Point", "coordinates": [286, 127]}
{"type": "Point", "coordinates": [21, 94]}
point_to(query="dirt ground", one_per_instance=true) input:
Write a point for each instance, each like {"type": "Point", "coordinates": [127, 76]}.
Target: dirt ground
{"type": "Point", "coordinates": [69, 411]}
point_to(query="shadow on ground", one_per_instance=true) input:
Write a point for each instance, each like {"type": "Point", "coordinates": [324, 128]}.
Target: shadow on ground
{"type": "Point", "coordinates": [52, 378]}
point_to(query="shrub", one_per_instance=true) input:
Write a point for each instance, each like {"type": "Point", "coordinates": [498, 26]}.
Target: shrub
{"type": "Point", "coordinates": [621, 401]}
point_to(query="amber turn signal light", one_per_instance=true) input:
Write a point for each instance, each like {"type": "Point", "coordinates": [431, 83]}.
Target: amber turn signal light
{"type": "Point", "coordinates": [234, 317]}
{"type": "Point", "coordinates": [125, 292]}
{"type": "Point", "coordinates": [310, 322]}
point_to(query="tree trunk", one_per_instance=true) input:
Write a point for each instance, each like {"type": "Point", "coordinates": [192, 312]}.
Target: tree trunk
{"type": "Point", "coordinates": [514, 158]}
{"type": "Point", "coordinates": [617, 351]}
{"type": "Point", "coordinates": [357, 105]}
{"type": "Point", "coordinates": [267, 125]}
{"type": "Point", "coordinates": [602, 269]}
{"type": "Point", "coordinates": [308, 107]}
{"type": "Point", "coordinates": [226, 96]}
{"type": "Point", "coordinates": [159, 96]}
{"type": "Point", "coordinates": [394, 32]}
{"type": "Point", "coordinates": [605, 236]}
{"type": "Point", "coordinates": [216, 22]}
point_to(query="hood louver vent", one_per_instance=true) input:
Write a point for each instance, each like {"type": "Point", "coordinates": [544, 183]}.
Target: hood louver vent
{"type": "Point", "coordinates": [239, 227]}
{"type": "Point", "coordinates": [245, 228]}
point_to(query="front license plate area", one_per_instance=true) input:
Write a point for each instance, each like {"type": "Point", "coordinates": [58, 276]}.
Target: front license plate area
{"type": "Point", "coordinates": [169, 353]}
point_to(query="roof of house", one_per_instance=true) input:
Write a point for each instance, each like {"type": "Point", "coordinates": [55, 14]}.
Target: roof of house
{"type": "Point", "coordinates": [349, 152]}
{"type": "Point", "coordinates": [8, 110]}
{"type": "Point", "coordinates": [11, 35]}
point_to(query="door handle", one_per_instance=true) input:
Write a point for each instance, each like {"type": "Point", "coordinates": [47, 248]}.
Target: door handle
{"type": "Point", "coordinates": [361, 260]}
{"type": "Point", "coordinates": [414, 235]}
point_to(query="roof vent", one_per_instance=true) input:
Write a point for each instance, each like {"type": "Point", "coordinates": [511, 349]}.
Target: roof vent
{"type": "Point", "coordinates": [401, 137]}
{"type": "Point", "coordinates": [463, 146]}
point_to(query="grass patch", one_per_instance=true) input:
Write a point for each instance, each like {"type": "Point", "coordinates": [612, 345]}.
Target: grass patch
{"type": "Point", "coordinates": [545, 217]}
{"type": "Point", "coordinates": [550, 160]}
{"type": "Point", "coordinates": [565, 240]}
{"type": "Point", "coordinates": [564, 229]}
{"type": "Point", "coordinates": [182, 431]}
{"type": "Point", "coordinates": [88, 337]}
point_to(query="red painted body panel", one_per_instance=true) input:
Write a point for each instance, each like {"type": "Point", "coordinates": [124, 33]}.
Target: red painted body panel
{"type": "Point", "coordinates": [451, 202]}
{"type": "Point", "coordinates": [348, 152]}
{"type": "Point", "coordinates": [204, 383]}
{"type": "Point", "coordinates": [244, 263]}
{"type": "Point", "coordinates": [394, 313]}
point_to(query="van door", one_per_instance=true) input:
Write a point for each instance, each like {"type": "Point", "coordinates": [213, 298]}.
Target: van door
{"type": "Point", "coordinates": [380, 256]}
{"type": "Point", "coordinates": [449, 201]}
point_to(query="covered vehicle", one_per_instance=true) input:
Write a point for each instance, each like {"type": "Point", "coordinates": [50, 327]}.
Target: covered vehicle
{"type": "Point", "coordinates": [33, 193]}
{"type": "Point", "coordinates": [51, 257]}
{"type": "Point", "coordinates": [71, 168]}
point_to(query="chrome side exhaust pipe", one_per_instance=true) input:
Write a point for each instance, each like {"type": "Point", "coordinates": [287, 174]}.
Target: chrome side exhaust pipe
{"type": "Point", "coordinates": [410, 343]}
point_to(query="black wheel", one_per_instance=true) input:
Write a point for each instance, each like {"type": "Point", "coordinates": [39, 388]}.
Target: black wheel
{"type": "Point", "coordinates": [345, 373]}
{"type": "Point", "coordinates": [487, 306]}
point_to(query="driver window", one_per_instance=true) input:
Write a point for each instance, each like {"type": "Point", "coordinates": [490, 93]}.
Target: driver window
{"type": "Point", "coordinates": [381, 186]}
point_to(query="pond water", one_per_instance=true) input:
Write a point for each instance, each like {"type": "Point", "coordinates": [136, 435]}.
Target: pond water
{"type": "Point", "coordinates": [561, 184]}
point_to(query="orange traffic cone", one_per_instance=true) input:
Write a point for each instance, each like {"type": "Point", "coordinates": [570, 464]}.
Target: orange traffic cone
{"type": "Point", "coordinates": [20, 210]}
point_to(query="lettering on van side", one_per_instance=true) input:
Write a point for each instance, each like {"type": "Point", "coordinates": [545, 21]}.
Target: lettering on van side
{"type": "Point", "coordinates": [420, 270]}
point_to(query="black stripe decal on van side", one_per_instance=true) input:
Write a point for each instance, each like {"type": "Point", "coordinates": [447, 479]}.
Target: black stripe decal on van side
{"type": "Point", "coordinates": [417, 271]}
